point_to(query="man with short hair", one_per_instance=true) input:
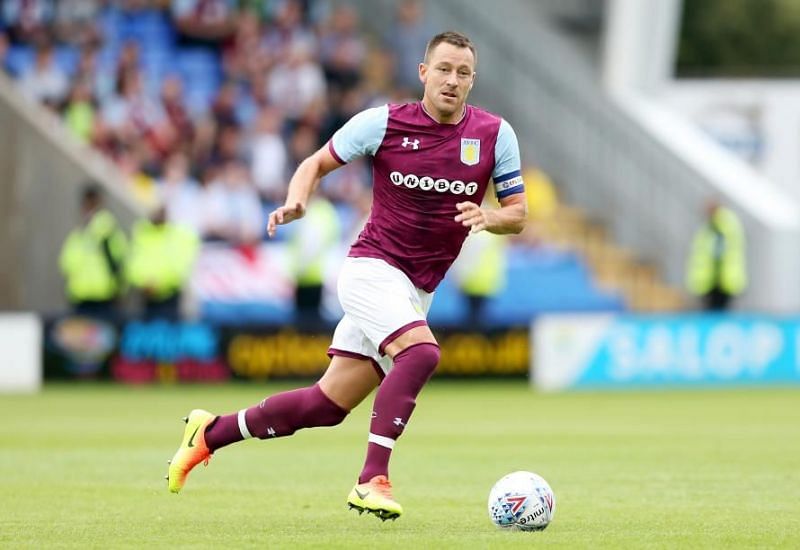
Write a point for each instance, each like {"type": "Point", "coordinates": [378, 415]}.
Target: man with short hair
{"type": "Point", "coordinates": [92, 258]}
{"type": "Point", "coordinates": [432, 163]}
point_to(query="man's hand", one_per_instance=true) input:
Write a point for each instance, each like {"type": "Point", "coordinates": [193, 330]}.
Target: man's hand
{"type": "Point", "coordinates": [283, 215]}
{"type": "Point", "coordinates": [472, 216]}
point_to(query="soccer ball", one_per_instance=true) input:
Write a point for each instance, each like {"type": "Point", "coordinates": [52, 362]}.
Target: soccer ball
{"type": "Point", "coordinates": [522, 500]}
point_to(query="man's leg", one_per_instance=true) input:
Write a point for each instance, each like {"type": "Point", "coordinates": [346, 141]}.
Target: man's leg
{"type": "Point", "coordinates": [346, 383]}
{"type": "Point", "coordinates": [415, 354]}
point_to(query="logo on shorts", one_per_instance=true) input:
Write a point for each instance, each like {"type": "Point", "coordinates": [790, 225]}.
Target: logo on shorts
{"type": "Point", "coordinates": [427, 183]}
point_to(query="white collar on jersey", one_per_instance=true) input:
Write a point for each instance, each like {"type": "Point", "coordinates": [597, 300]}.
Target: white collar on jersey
{"type": "Point", "coordinates": [430, 116]}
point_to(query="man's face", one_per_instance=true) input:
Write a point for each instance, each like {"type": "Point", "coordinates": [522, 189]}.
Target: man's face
{"type": "Point", "coordinates": [448, 76]}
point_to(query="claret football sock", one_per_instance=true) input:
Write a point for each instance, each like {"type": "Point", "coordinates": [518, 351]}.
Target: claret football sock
{"type": "Point", "coordinates": [394, 404]}
{"type": "Point", "coordinates": [223, 431]}
{"type": "Point", "coordinates": [276, 416]}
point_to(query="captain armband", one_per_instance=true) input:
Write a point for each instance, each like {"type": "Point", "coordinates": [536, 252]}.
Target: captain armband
{"type": "Point", "coordinates": [509, 184]}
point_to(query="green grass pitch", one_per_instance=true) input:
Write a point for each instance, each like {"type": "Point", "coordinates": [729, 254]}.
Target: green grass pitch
{"type": "Point", "coordinates": [83, 466]}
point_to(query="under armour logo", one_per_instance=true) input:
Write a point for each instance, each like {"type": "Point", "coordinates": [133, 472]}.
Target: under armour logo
{"type": "Point", "coordinates": [414, 144]}
{"type": "Point", "coordinates": [271, 432]}
{"type": "Point", "coordinates": [398, 422]}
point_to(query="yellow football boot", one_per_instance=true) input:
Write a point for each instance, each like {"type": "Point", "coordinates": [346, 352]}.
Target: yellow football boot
{"type": "Point", "coordinates": [193, 449]}
{"type": "Point", "coordinates": [375, 497]}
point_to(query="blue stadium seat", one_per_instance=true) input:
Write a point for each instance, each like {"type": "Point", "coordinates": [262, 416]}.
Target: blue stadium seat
{"type": "Point", "coordinates": [548, 281]}
{"type": "Point", "coordinates": [538, 281]}
{"type": "Point", "coordinates": [109, 23]}
{"type": "Point", "coordinates": [156, 64]}
{"type": "Point", "coordinates": [201, 69]}
{"type": "Point", "coordinates": [18, 59]}
{"type": "Point", "coordinates": [66, 57]}
{"type": "Point", "coordinates": [149, 28]}
{"type": "Point", "coordinates": [449, 307]}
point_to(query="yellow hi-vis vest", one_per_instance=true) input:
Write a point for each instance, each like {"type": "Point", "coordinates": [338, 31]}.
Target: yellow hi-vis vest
{"type": "Point", "coordinates": [316, 235]}
{"type": "Point", "coordinates": [483, 267]}
{"type": "Point", "coordinates": [717, 258]}
{"type": "Point", "coordinates": [84, 262]}
{"type": "Point", "coordinates": [161, 258]}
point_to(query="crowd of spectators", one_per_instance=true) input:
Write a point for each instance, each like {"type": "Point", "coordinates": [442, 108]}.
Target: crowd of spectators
{"type": "Point", "coordinates": [209, 105]}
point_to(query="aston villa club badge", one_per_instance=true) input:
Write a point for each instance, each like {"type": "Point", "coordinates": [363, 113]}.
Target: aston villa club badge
{"type": "Point", "coordinates": [470, 151]}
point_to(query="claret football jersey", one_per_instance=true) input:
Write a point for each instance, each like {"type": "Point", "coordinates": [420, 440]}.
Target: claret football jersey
{"type": "Point", "coordinates": [421, 170]}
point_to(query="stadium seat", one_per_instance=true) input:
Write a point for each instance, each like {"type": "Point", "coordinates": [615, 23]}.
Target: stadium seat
{"type": "Point", "coordinates": [200, 67]}
{"type": "Point", "coordinates": [18, 59]}
{"type": "Point", "coordinates": [66, 58]}
{"type": "Point", "coordinates": [149, 28]}
{"type": "Point", "coordinates": [538, 281]}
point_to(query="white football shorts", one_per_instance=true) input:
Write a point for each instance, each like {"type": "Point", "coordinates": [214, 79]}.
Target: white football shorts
{"type": "Point", "coordinates": [380, 302]}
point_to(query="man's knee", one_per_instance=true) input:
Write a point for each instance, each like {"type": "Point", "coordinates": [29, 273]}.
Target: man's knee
{"type": "Point", "coordinates": [425, 354]}
{"type": "Point", "coordinates": [418, 361]}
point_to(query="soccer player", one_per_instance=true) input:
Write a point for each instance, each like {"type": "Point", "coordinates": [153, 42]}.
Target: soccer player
{"type": "Point", "coordinates": [432, 164]}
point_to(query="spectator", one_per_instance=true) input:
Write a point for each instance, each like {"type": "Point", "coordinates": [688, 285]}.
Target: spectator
{"type": "Point", "coordinates": [228, 146]}
{"type": "Point", "coordinates": [129, 59]}
{"type": "Point", "coordinates": [79, 112]}
{"type": "Point", "coordinates": [541, 194]}
{"type": "Point", "coordinates": [131, 113]}
{"type": "Point", "coordinates": [208, 194]}
{"type": "Point", "coordinates": [175, 108]}
{"type": "Point", "coordinates": [232, 211]}
{"type": "Point", "coordinates": [202, 146]}
{"type": "Point", "coordinates": [160, 263]}
{"type": "Point", "coordinates": [480, 272]}
{"type": "Point", "coordinates": [406, 40]}
{"type": "Point", "coordinates": [245, 55]}
{"type": "Point", "coordinates": [204, 22]}
{"type": "Point", "coordinates": [27, 20]}
{"type": "Point", "coordinates": [310, 247]}
{"type": "Point", "coordinates": [92, 259]}
{"type": "Point", "coordinates": [223, 109]}
{"type": "Point", "coordinates": [45, 82]}
{"type": "Point", "coordinates": [140, 185]}
{"type": "Point", "coordinates": [102, 83]}
{"type": "Point", "coordinates": [342, 50]}
{"type": "Point", "coordinates": [269, 156]}
{"type": "Point", "coordinates": [542, 199]}
{"type": "Point", "coordinates": [75, 21]}
{"type": "Point", "coordinates": [302, 142]}
{"type": "Point", "coordinates": [180, 193]}
{"type": "Point", "coordinates": [341, 109]}
{"type": "Point", "coordinates": [297, 83]}
{"type": "Point", "coordinates": [286, 31]}
{"type": "Point", "coordinates": [716, 270]}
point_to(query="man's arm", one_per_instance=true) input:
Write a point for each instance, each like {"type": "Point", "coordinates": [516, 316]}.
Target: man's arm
{"type": "Point", "coordinates": [303, 183]}
{"type": "Point", "coordinates": [509, 218]}
{"type": "Point", "coordinates": [508, 187]}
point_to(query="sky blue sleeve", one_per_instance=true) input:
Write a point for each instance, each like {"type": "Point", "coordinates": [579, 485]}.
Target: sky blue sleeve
{"type": "Point", "coordinates": [507, 175]}
{"type": "Point", "coordinates": [361, 135]}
